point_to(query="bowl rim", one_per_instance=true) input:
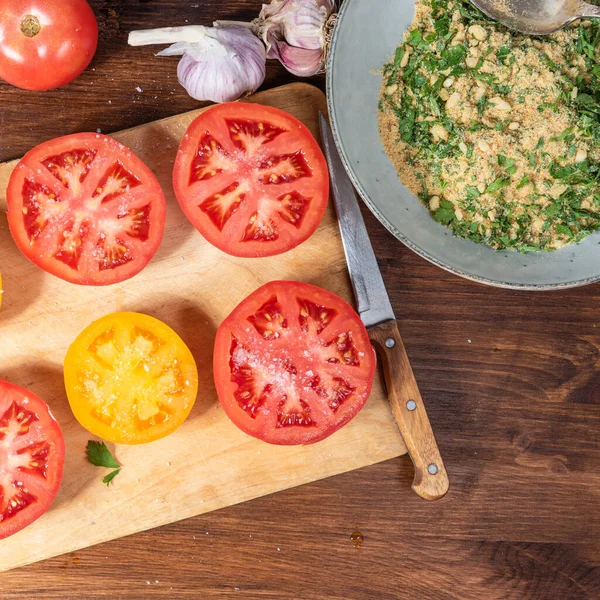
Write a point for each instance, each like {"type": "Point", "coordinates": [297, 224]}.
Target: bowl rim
{"type": "Point", "coordinates": [331, 107]}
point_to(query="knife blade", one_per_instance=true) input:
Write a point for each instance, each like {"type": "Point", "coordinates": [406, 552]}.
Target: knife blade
{"type": "Point", "coordinates": [372, 300]}
{"type": "Point", "coordinates": [375, 309]}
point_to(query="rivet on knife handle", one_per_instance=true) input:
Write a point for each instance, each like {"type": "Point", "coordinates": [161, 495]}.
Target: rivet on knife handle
{"type": "Point", "coordinates": [431, 480]}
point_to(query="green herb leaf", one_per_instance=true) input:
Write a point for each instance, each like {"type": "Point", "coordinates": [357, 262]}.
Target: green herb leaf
{"type": "Point", "coordinates": [523, 182]}
{"type": "Point", "coordinates": [406, 125]}
{"type": "Point", "coordinates": [567, 133]}
{"type": "Point", "coordinates": [502, 89]}
{"type": "Point", "coordinates": [481, 104]}
{"type": "Point", "coordinates": [470, 13]}
{"type": "Point", "coordinates": [445, 213]}
{"type": "Point", "coordinates": [552, 210]}
{"type": "Point", "coordinates": [442, 25]}
{"type": "Point", "coordinates": [482, 60]}
{"type": "Point", "coordinates": [108, 478]}
{"type": "Point", "coordinates": [588, 102]}
{"type": "Point", "coordinates": [453, 56]}
{"type": "Point", "coordinates": [99, 455]}
{"type": "Point", "coordinates": [399, 56]}
{"type": "Point", "coordinates": [472, 192]}
{"type": "Point", "coordinates": [503, 53]}
{"type": "Point", "coordinates": [563, 229]}
{"type": "Point", "coordinates": [497, 184]}
{"type": "Point", "coordinates": [435, 107]}
{"type": "Point", "coordinates": [507, 163]}
{"type": "Point", "coordinates": [415, 38]}
{"type": "Point", "coordinates": [391, 70]}
{"type": "Point", "coordinates": [549, 61]}
{"type": "Point", "coordinates": [419, 80]}
{"type": "Point", "coordinates": [475, 126]}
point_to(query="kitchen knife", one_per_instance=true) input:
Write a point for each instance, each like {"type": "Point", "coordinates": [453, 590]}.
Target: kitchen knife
{"type": "Point", "coordinates": [374, 307]}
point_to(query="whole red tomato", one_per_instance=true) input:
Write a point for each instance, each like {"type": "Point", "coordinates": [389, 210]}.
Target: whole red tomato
{"type": "Point", "coordinates": [45, 43]}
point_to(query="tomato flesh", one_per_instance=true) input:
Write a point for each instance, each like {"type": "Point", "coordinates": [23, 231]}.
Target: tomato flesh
{"type": "Point", "coordinates": [86, 209]}
{"type": "Point", "coordinates": [45, 44]}
{"type": "Point", "coordinates": [130, 378]}
{"type": "Point", "coordinates": [251, 179]}
{"type": "Point", "coordinates": [293, 363]}
{"type": "Point", "coordinates": [32, 452]}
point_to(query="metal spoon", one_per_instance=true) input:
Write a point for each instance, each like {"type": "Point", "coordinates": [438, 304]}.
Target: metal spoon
{"type": "Point", "coordinates": [536, 17]}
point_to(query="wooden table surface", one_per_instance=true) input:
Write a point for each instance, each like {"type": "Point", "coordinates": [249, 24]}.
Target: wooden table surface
{"type": "Point", "coordinates": [510, 379]}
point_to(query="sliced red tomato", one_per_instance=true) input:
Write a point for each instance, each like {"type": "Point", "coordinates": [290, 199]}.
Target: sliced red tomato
{"type": "Point", "coordinates": [84, 208]}
{"type": "Point", "coordinates": [32, 454]}
{"type": "Point", "coordinates": [45, 43]}
{"type": "Point", "coordinates": [251, 179]}
{"type": "Point", "coordinates": [293, 363]}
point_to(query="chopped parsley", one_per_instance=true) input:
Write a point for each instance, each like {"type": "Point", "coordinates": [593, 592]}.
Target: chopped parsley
{"type": "Point", "coordinates": [506, 135]}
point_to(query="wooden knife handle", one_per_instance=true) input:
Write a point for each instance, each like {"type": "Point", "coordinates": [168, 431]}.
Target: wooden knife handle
{"type": "Point", "coordinates": [431, 480]}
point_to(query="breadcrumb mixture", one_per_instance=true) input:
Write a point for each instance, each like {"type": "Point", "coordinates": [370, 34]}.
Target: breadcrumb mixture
{"type": "Point", "coordinates": [497, 133]}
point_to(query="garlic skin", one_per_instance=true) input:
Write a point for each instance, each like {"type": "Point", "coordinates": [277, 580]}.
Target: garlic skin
{"type": "Point", "coordinates": [219, 64]}
{"type": "Point", "coordinates": [241, 70]}
{"type": "Point", "coordinates": [297, 32]}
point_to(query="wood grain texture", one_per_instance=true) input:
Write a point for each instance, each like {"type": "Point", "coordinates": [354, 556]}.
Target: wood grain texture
{"type": "Point", "coordinates": [431, 479]}
{"type": "Point", "coordinates": [207, 463]}
{"type": "Point", "coordinates": [516, 413]}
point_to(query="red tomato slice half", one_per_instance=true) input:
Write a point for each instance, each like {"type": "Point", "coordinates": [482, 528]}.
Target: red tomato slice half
{"type": "Point", "coordinates": [293, 363]}
{"type": "Point", "coordinates": [32, 453]}
{"type": "Point", "coordinates": [84, 208]}
{"type": "Point", "coordinates": [251, 179]}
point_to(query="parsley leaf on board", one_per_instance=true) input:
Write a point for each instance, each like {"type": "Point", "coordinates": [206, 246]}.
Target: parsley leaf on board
{"type": "Point", "coordinates": [99, 455]}
{"type": "Point", "coordinates": [108, 478]}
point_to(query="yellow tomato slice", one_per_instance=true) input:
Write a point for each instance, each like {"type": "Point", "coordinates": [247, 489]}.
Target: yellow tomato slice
{"type": "Point", "coordinates": [130, 378]}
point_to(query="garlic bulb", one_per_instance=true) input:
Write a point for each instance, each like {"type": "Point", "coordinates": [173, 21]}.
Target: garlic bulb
{"type": "Point", "coordinates": [297, 32]}
{"type": "Point", "coordinates": [219, 64]}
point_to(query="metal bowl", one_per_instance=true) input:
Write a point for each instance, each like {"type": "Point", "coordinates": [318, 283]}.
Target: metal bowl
{"type": "Point", "coordinates": [366, 36]}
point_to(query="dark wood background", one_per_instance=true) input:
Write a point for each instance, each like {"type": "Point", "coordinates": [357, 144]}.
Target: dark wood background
{"type": "Point", "coordinates": [510, 379]}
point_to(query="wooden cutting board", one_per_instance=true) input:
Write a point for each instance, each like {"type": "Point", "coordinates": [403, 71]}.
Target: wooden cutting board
{"type": "Point", "coordinates": [208, 463]}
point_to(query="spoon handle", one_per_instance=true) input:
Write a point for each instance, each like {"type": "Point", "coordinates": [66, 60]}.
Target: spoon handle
{"type": "Point", "coordinates": [589, 10]}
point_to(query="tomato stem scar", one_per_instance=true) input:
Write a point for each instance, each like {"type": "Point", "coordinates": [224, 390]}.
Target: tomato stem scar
{"type": "Point", "coordinates": [30, 26]}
